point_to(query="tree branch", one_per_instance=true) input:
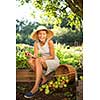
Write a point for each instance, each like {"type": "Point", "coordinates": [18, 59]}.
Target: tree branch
{"type": "Point", "coordinates": [76, 6]}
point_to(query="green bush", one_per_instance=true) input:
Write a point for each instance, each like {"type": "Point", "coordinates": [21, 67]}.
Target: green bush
{"type": "Point", "coordinates": [66, 54]}
{"type": "Point", "coordinates": [69, 55]}
{"type": "Point", "coordinates": [21, 59]}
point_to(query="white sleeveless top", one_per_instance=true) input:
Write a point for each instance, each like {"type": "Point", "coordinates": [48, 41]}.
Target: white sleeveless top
{"type": "Point", "coordinates": [44, 50]}
{"type": "Point", "coordinates": [52, 64]}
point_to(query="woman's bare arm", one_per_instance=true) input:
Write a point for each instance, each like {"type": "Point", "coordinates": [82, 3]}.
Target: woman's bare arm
{"type": "Point", "coordinates": [35, 50]}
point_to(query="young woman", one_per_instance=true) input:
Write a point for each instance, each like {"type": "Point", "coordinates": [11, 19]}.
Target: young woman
{"type": "Point", "coordinates": [48, 61]}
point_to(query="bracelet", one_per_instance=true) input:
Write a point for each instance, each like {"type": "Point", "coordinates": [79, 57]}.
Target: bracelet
{"type": "Point", "coordinates": [33, 57]}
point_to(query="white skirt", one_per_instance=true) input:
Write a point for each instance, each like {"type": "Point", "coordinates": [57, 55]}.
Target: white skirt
{"type": "Point", "coordinates": [52, 65]}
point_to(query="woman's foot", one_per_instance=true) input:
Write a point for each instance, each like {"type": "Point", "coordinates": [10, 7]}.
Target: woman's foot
{"type": "Point", "coordinates": [44, 81]}
{"type": "Point", "coordinates": [31, 94]}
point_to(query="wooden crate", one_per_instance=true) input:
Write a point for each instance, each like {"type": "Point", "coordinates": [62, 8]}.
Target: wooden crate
{"type": "Point", "coordinates": [25, 75]}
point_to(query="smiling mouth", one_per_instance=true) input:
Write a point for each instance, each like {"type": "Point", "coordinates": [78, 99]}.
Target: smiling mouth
{"type": "Point", "coordinates": [42, 38]}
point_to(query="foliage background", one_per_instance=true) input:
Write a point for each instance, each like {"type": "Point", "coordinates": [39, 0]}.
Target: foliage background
{"type": "Point", "coordinates": [66, 23]}
{"type": "Point", "coordinates": [54, 14]}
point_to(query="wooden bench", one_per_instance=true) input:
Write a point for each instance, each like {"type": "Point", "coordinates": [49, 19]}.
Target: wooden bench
{"type": "Point", "coordinates": [26, 75]}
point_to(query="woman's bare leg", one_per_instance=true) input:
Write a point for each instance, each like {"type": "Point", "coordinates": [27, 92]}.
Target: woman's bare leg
{"type": "Point", "coordinates": [39, 72]}
{"type": "Point", "coordinates": [44, 79]}
{"type": "Point", "coordinates": [31, 62]}
{"type": "Point", "coordinates": [32, 65]}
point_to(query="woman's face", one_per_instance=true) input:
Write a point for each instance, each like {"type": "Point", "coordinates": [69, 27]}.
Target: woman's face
{"type": "Point", "coordinates": [42, 35]}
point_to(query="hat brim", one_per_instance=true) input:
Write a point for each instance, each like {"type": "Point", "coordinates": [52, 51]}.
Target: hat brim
{"type": "Point", "coordinates": [50, 34]}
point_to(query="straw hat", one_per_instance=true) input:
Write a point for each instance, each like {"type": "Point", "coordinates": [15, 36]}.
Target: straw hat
{"type": "Point", "coordinates": [49, 33]}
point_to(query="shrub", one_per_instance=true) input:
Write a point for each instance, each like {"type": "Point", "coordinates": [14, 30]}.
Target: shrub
{"type": "Point", "coordinates": [72, 55]}
{"type": "Point", "coordinates": [66, 54]}
{"type": "Point", "coordinates": [21, 59]}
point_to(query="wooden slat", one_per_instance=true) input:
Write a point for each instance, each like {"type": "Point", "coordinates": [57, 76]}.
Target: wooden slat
{"type": "Point", "coordinates": [25, 75]}
{"type": "Point", "coordinates": [25, 80]}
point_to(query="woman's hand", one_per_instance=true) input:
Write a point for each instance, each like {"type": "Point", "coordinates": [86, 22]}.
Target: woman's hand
{"type": "Point", "coordinates": [42, 59]}
{"type": "Point", "coordinates": [28, 54]}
